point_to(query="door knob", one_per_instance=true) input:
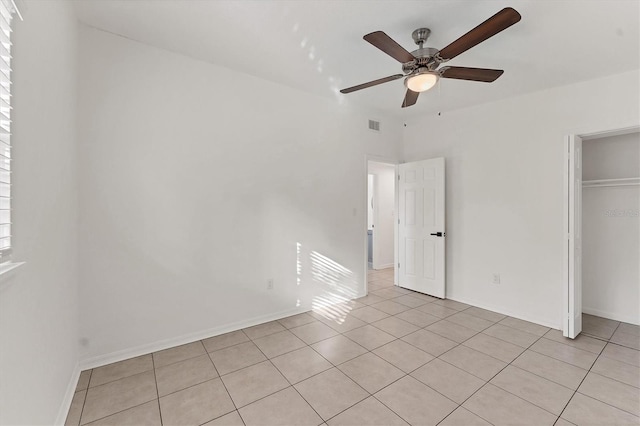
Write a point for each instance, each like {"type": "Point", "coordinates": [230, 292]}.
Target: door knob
{"type": "Point", "coordinates": [439, 234]}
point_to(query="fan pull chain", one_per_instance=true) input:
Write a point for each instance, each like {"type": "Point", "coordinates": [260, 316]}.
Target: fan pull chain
{"type": "Point", "coordinates": [439, 97]}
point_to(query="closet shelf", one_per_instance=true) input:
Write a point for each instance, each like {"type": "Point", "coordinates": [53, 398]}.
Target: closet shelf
{"type": "Point", "coordinates": [599, 183]}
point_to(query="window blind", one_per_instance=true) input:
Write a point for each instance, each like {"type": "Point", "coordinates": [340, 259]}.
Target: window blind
{"type": "Point", "coordinates": [7, 8]}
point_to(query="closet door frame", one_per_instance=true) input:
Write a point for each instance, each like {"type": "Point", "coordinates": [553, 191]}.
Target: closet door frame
{"type": "Point", "coordinates": [571, 219]}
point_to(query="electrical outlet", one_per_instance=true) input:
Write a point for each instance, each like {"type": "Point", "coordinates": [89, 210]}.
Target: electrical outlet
{"type": "Point", "coordinates": [270, 284]}
{"type": "Point", "coordinates": [496, 278]}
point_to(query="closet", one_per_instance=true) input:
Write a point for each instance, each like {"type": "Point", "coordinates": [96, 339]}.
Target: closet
{"type": "Point", "coordinates": [611, 227]}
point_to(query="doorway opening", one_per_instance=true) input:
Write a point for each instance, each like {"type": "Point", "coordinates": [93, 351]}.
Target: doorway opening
{"type": "Point", "coordinates": [603, 221]}
{"type": "Point", "coordinates": [381, 218]}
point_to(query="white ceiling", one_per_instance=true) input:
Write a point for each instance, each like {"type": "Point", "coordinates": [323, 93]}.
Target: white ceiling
{"type": "Point", "coordinates": [317, 46]}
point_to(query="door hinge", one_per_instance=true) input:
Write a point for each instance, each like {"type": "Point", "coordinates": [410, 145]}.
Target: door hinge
{"type": "Point", "coordinates": [398, 265]}
{"type": "Point", "coordinates": [398, 177]}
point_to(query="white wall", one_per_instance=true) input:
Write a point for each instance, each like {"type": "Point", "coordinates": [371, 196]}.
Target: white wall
{"type": "Point", "coordinates": [505, 188]}
{"type": "Point", "coordinates": [198, 183]}
{"type": "Point", "coordinates": [384, 213]}
{"type": "Point", "coordinates": [611, 229]}
{"type": "Point", "coordinates": [39, 300]}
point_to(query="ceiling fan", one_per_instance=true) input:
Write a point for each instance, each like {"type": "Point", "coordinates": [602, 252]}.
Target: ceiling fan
{"type": "Point", "coordinates": [420, 67]}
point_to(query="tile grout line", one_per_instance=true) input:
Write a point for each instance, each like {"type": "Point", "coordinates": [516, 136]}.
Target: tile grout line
{"type": "Point", "coordinates": [290, 384]}
{"type": "Point", "coordinates": [170, 393]}
{"type": "Point", "coordinates": [84, 400]}
{"type": "Point", "coordinates": [622, 362]}
{"type": "Point", "coordinates": [606, 403]}
{"type": "Point", "coordinates": [124, 377]}
{"type": "Point", "coordinates": [409, 375]}
{"type": "Point", "coordinates": [540, 353]}
{"type": "Point", "coordinates": [118, 412]}
{"type": "Point", "coordinates": [555, 359]}
{"type": "Point", "coordinates": [144, 371]}
{"type": "Point", "coordinates": [370, 395]}
{"type": "Point", "coordinates": [589, 371]}
{"type": "Point", "coordinates": [155, 380]}
{"type": "Point", "coordinates": [602, 338]}
{"type": "Point", "coordinates": [612, 378]}
{"type": "Point", "coordinates": [123, 410]}
{"type": "Point", "coordinates": [224, 386]}
{"type": "Point", "coordinates": [182, 360]}
{"type": "Point", "coordinates": [488, 381]}
{"type": "Point", "coordinates": [580, 384]}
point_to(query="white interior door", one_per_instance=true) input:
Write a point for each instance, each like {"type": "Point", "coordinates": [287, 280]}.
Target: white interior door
{"type": "Point", "coordinates": [573, 238]}
{"type": "Point", "coordinates": [421, 257]}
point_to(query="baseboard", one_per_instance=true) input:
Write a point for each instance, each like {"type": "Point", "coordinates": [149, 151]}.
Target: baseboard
{"type": "Point", "coordinates": [610, 315]}
{"type": "Point", "coordinates": [503, 311]}
{"type": "Point", "coordinates": [100, 360]}
{"type": "Point", "coordinates": [68, 396]}
{"type": "Point", "coordinates": [385, 266]}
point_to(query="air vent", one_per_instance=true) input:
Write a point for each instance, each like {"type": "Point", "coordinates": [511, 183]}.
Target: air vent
{"type": "Point", "coordinates": [374, 125]}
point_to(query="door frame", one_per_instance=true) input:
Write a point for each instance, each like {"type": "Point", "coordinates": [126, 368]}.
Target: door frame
{"type": "Point", "coordinates": [569, 207]}
{"type": "Point", "coordinates": [393, 162]}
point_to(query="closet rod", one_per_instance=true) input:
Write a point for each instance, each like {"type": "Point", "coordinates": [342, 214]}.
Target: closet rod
{"type": "Point", "coordinates": [611, 182]}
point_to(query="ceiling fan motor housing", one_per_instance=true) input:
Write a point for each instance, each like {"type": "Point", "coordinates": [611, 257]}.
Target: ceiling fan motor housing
{"type": "Point", "coordinates": [426, 57]}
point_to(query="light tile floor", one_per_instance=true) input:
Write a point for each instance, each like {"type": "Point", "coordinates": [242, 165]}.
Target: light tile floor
{"type": "Point", "coordinates": [394, 357]}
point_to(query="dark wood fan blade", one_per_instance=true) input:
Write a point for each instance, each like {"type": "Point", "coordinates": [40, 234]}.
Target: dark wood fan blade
{"type": "Point", "coordinates": [410, 98]}
{"type": "Point", "coordinates": [492, 26]}
{"type": "Point", "coordinates": [475, 74]}
{"type": "Point", "coordinates": [371, 83]}
{"type": "Point", "coordinates": [389, 46]}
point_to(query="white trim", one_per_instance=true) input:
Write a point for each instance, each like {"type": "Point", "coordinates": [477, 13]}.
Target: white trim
{"type": "Point", "coordinates": [609, 133]}
{"type": "Point", "coordinates": [565, 238]}
{"type": "Point", "coordinates": [508, 312]}
{"type": "Point", "coordinates": [121, 355]}
{"type": "Point", "coordinates": [610, 315]}
{"type": "Point", "coordinates": [68, 396]}
{"type": "Point", "coordinates": [396, 226]}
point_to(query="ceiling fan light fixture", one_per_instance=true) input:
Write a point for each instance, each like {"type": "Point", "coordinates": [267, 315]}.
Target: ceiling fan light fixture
{"type": "Point", "coordinates": [422, 81]}
{"type": "Point", "coordinates": [420, 67]}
